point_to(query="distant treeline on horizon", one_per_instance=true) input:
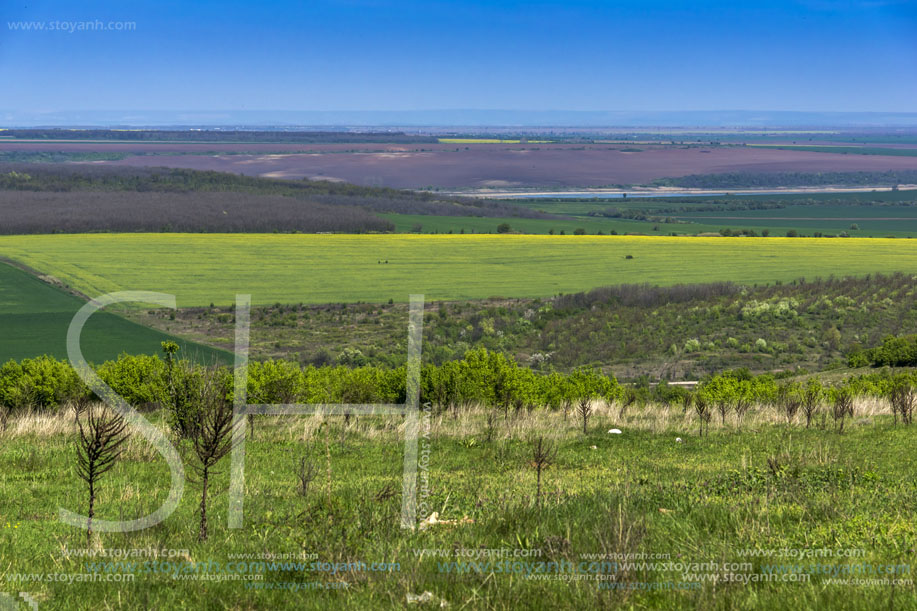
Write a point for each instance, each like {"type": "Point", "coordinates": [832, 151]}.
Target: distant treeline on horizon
{"type": "Point", "coordinates": [218, 135]}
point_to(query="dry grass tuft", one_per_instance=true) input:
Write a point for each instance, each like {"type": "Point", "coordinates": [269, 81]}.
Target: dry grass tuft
{"type": "Point", "coordinates": [41, 424]}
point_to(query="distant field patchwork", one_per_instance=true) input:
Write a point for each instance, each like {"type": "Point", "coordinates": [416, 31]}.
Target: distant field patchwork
{"type": "Point", "coordinates": [212, 268]}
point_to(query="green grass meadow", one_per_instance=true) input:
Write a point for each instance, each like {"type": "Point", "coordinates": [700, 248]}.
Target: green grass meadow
{"type": "Point", "coordinates": [757, 515]}
{"type": "Point", "coordinates": [212, 268]}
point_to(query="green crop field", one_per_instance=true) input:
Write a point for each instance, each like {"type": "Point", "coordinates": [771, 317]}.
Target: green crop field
{"type": "Point", "coordinates": [35, 316]}
{"type": "Point", "coordinates": [212, 268]}
{"type": "Point", "coordinates": [877, 213]}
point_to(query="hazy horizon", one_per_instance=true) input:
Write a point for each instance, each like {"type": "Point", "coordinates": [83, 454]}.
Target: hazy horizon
{"type": "Point", "coordinates": [461, 118]}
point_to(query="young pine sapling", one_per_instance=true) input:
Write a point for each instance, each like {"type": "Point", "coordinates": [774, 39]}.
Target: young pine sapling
{"type": "Point", "coordinates": [211, 435]}
{"type": "Point", "coordinates": [101, 437]}
{"type": "Point", "coordinates": [544, 454]}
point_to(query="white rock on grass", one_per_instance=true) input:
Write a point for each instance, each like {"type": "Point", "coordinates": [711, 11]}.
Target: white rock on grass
{"type": "Point", "coordinates": [679, 440]}
{"type": "Point", "coordinates": [614, 431]}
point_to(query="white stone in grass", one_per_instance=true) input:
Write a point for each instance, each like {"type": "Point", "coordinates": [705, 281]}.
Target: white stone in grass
{"type": "Point", "coordinates": [614, 431]}
{"type": "Point", "coordinates": [679, 440]}
{"type": "Point", "coordinates": [594, 447]}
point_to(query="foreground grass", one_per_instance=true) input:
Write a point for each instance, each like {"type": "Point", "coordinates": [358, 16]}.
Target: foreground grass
{"type": "Point", "coordinates": [212, 268]}
{"type": "Point", "coordinates": [706, 500]}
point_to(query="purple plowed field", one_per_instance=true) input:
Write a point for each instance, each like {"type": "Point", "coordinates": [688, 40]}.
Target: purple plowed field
{"type": "Point", "coordinates": [476, 165]}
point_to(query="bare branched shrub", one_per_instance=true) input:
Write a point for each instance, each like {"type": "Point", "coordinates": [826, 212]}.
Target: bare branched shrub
{"type": "Point", "coordinates": [584, 409]}
{"type": "Point", "coordinates": [211, 434]}
{"type": "Point", "coordinates": [741, 407]}
{"type": "Point", "coordinates": [305, 473]}
{"type": "Point", "coordinates": [811, 400]}
{"type": "Point", "coordinates": [490, 425]}
{"type": "Point", "coordinates": [704, 414]}
{"type": "Point", "coordinates": [544, 453]}
{"type": "Point", "coordinates": [841, 407]}
{"type": "Point", "coordinates": [723, 406]}
{"type": "Point", "coordinates": [789, 402]}
{"type": "Point", "coordinates": [101, 436]}
{"type": "Point", "coordinates": [902, 399]}
{"type": "Point", "coordinates": [629, 398]}
{"type": "Point", "coordinates": [687, 401]}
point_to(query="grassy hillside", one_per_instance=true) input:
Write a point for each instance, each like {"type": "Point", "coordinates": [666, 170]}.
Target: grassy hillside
{"type": "Point", "coordinates": [35, 316]}
{"type": "Point", "coordinates": [212, 268]}
{"type": "Point", "coordinates": [633, 331]}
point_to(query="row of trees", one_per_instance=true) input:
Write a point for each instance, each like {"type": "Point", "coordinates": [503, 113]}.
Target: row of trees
{"type": "Point", "coordinates": [233, 136]}
{"type": "Point", "coordinates": [482, 377]}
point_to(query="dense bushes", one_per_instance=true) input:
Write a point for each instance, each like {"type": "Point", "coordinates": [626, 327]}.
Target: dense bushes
{"type": "Point", "coordinates": [809, 324]}
{"type": "Point", "coordinates": [139, 379]}
{"type": "Point", "coordinates": [894, 352]}
{"type": "Point", "coordinates": [41, 383]}
{"type": "Point", "coordinates": [481, 377]}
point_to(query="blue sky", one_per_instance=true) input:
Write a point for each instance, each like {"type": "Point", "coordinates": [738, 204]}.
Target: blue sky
{"type": "Point", "coordinates": [802, 55]}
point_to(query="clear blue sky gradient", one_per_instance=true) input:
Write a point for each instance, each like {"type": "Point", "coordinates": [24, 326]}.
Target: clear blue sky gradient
{"type": "Point", "coordinates": [801, 55]}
